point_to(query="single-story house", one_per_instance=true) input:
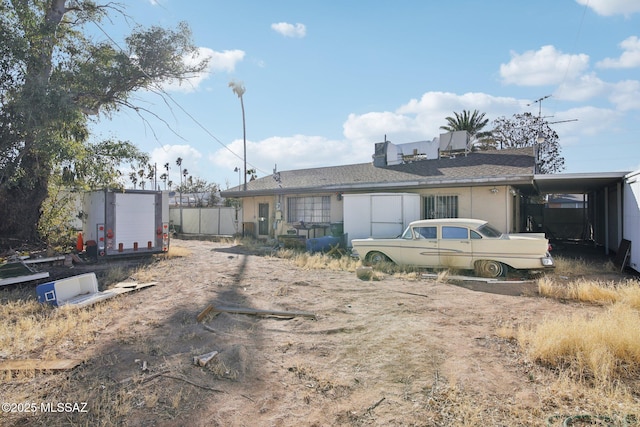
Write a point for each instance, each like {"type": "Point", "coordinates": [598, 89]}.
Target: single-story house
{"type": "Point", "coordinates": [500, 186]}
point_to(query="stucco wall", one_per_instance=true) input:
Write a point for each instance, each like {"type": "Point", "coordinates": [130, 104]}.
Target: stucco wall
{"type": "Point", "coordinates": [496, 204]}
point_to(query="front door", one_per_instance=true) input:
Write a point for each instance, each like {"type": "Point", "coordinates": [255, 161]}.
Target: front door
{"type": "Point", "coordinates": [421, 247]}
{"type": "Point", "coordinates": [263, 219]}
{"type": "Point", "coordinates": [455, 247]}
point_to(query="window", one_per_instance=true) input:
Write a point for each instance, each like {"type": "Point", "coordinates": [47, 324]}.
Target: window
{"type": "Point", "coordinates": [440, 207]}
{"type": "Point", "coordinates": [458, 233]}
{"type": "Point", "coordinates": [425, 232]}
{"type": "Point", "coordinates": [313, 209]}
{"type": "Point", "coordinates": [489, 231]}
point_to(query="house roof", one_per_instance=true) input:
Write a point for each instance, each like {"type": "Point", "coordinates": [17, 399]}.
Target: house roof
{"type": "Point", "coordinates": [514, 166]}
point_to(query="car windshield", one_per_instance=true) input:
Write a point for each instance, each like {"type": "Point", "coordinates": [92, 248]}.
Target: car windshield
{"type": "Point", "coordinates": [487, 230]}
{"type": "Point", "coordinates": [407, 234]}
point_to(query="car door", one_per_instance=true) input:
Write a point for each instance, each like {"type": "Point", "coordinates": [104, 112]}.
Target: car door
{"type": "Point", "coordinates": [421, 247]}
{"type": "Point", "coordinates": [454, 247]}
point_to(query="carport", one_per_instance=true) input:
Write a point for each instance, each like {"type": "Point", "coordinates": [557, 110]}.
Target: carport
{"type": "Point", "coordinates": [602, 208]}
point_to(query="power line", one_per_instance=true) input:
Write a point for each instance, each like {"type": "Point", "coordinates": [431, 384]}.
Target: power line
{"type": "Point", "coordinates": [165, 93]}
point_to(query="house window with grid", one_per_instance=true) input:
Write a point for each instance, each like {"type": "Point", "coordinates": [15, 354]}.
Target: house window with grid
{"type": "Point", "coordinates": [315, 209]}
{"type": "Point", "coordinates": [440, 207]}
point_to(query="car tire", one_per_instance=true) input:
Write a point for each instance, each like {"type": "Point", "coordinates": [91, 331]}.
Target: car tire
{"type": "Point", "coordinates": [489, 268]}
{"type": "Point", "coordinates": [376, 257]}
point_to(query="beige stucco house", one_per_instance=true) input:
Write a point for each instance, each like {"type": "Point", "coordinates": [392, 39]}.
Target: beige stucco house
{"type": "Point", "coordinates": [490, 185]}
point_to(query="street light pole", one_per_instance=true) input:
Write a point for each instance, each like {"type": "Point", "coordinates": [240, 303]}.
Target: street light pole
{"type": "Point", "coordinates": [238, 89]}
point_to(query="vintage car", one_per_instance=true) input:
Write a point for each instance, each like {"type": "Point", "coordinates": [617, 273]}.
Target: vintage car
{"type": "Point", "coordinates": [459, 243]}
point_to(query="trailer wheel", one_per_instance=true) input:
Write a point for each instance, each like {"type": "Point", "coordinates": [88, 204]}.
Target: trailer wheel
{"type": "Point", "coordinates": [489, 268]}
{"type": "Point", "coordinates": [376, 257]}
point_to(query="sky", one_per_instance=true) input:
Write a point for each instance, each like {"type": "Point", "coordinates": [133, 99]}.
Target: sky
{"type": "Point", "coordinates": [325, 80]}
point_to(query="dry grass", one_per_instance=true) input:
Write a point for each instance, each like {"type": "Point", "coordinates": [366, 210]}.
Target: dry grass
{"type": "Point", "coordinates": [578, 267]}
{"type": "Point", "coordinates": [592, 291]}
{"type": "Point", "coordinates": [320, 261]}
{"type": "Point", "coordinates": [587, 346]}
{"type": "Point", "coordinates": [177, 252]}
{"type": "Point", "coordinates": [591, 364]}
{"type": "Point", "coordinates": [344, 262]}
{"type": "Point", "coordinates": [603, 348]}
{"type": "Point", "coordinates": [31, 329]}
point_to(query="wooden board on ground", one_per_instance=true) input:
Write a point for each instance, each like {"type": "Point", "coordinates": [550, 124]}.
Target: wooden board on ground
{"type": "Point", "coordinates": [18, 272]}
{"type": "Point", "coordinates": [259, 312]}
{"type": "Point", "coordinates": [38, 364]}
{"type": "Point", "coordinates": [124, 287]}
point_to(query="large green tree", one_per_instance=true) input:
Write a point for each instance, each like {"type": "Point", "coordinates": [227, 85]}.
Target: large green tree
{"type": "Point", "coordinates": [54, 78]}
{"type": "Point", "coordinates": [527, 130]}
{"type": "Point", "coordinates": [473, 122]}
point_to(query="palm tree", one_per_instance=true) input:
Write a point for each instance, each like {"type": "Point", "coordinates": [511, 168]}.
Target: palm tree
{"type": "Point", "coordinates": [239, 89]}
{"type": "Point", "coordinates": [472, 122]}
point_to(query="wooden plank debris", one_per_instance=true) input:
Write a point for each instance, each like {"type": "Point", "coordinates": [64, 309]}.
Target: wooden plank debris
{"type": "Point", "coordinates": [203, 359]}
{"type": "Point", "coordinates": [259, 312]}
{"type": "Point", "coordinates": [124, 287]}
{"type": "Point", "coordinates": [18, 272]}
{"type": "Point", "coordinates": [475, 279]}
{"type": "Point", "coordinates": [38, 364]}
{"type": "Point", "coordinates": [42, 260]}
{"type": "Point", "coordinates": [204, 313]}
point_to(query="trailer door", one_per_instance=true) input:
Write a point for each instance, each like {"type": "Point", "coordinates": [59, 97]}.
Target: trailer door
{"type": "Point", "coordinates": [386, 215]}
{"type": "Point", "coordinates": [135, 219]}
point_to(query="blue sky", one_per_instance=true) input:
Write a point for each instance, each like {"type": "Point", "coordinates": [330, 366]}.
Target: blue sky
{"type": "Point", "coordinates": [326, 80]}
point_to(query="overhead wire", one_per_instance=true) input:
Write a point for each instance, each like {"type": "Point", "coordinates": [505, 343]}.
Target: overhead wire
{"type": "Point", "coordinates": [164, 93]}
{"type": "Point", "coordinates": [575, 43]}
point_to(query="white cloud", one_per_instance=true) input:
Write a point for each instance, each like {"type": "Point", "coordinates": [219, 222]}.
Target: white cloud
{"type": "Point", "coordinates": [590, 121]}
{"type": "Point", "coordinates": [625, 95]}
{"type": "Point", "coordinates": [630, 57]}
{"type": "Point", "coordinates": [586, 87]}
{"type": "Point", "coordinates": [418, 119]}
{"type": "Point", "coordinates": [546, 66]}
{"type": "Point", "coordinates": [612, 7]}
{"type": "Point", "coordinates": [225, 61]}
{"type": "Point", "coordinates": [290, 30]}
{"type": "Point", "coordinates": [374, 126]}
{"type": "Point", "coordinates": [170, 153]}
{"type": "Point", "coordinates": [288, 153]}
{"type": "Point", "coordinates": [421, 119]}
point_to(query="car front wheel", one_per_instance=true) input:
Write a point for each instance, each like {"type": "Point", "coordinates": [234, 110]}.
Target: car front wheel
{"type": "Point", "coordinates": [489, 268]}
{"type": "Point", "coordinates": [377, 258]}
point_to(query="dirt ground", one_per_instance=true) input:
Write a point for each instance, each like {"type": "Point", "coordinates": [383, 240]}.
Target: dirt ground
{"type": "Point", "coordinates": [399, 351]}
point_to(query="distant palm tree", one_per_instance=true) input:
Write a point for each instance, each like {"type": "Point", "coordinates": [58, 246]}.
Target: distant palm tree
{"type": "Point", "coordinates": [472, 122]}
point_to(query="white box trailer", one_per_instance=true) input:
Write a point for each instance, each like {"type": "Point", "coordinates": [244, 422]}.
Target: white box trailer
{"type": "Point", "coordinates": [126, 222]}
{"type": "Point", "coordinates": [379, 215]}
{"type": "Point", "coordinates": [631, 217]}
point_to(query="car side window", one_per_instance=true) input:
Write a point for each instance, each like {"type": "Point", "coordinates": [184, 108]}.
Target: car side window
{"type": "Point", "coordinates": [459, 233]}
{"type": "Point", "coordinates": [475, 234]}
{"type": "Point", "coordinates": [425, 232]}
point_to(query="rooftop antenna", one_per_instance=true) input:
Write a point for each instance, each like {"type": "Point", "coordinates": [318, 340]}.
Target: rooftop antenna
{"type": "Point", "coordinates": [276, 175]}
{"type": "Point", "coordinates": [539, 102]}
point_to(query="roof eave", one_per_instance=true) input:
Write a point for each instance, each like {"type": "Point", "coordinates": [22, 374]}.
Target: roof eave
{"type": "Point", "coordinates": [374, 186]}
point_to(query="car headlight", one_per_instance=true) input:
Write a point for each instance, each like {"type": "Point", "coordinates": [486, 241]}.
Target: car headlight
{"type": "Point", "coordinates": [547, 261]}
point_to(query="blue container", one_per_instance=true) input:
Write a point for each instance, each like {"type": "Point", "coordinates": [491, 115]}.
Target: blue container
{"type": "Point", "coordinates": [322, 244]}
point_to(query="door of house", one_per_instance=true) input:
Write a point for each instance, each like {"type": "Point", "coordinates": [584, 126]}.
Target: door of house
{"type": "Point", "coordinates": [263, 219]}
